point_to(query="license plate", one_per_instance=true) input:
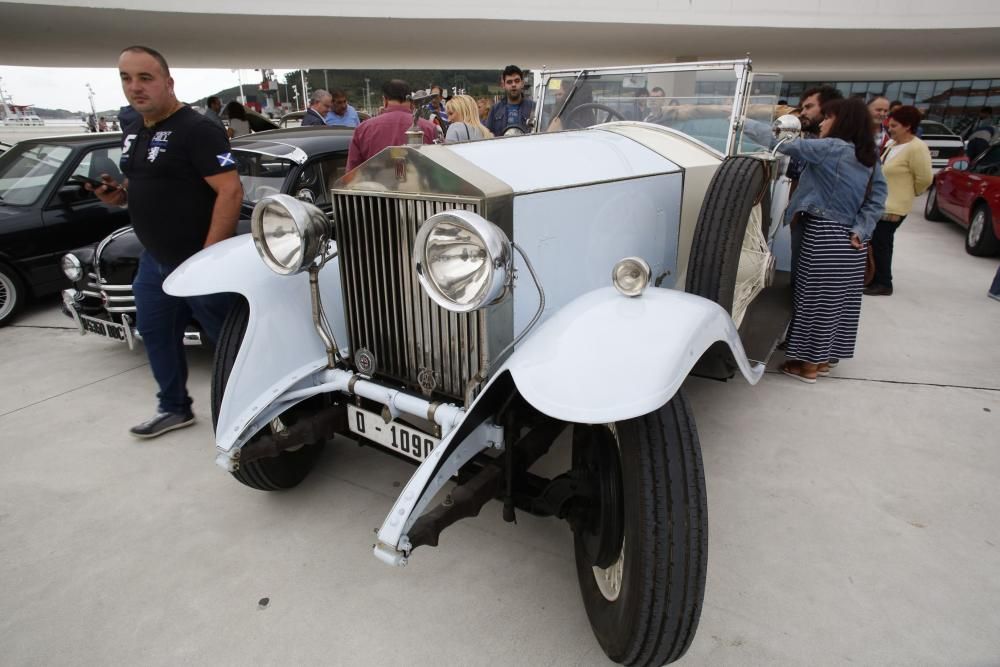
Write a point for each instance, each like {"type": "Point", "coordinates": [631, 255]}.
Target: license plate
{"type": "Point", "coordinates": [935, 153]}
{"type": "Point", "coordinates": [103, 328]}
{"type": "Point", "coordinates": [398, 437]}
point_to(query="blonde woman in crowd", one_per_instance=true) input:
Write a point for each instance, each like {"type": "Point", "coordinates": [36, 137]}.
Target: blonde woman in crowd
{"type": "Point", "coordinates": [463, 120]}
{"type": "Point", "coordinates": [906, 163]}
{"type": "Point", "coordinates": [484, 108]}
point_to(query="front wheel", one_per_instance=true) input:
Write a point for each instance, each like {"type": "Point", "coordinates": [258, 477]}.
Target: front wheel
{"type": "Point", "coordinates": [642, 551]}
{"type": "Point", "coordinates": [931, 210]}
{"type": "Point", "coordinates": [12, 294]}
{"type": "Point", "coordinates": [979, 237]}
{"type": "Point", "coordinates": [274, 473]}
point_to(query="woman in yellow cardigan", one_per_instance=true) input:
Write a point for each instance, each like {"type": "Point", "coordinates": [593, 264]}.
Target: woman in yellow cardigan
{"type": "Point", "coordinates": [906, 164]}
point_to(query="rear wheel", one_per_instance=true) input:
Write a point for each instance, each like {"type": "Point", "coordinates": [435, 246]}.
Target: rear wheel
{"type": "Point", "coordinates": [12, 294]}
{"type": "Point", "coordinates": [931, 210]}
{"type": "Point", "coordinates": [730, 261]}
{"type": "Point", "coordinates": [273, 473]}
{"type": "Point", "coordinates": [642, 552]}
{"type": "Point", "coordinates": [979, 237]}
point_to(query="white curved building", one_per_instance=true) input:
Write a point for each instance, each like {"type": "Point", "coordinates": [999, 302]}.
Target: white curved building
{"type": "Point", "coordinates": [804, 39]}
{"type": "Point", "coordinates": [943, 57]}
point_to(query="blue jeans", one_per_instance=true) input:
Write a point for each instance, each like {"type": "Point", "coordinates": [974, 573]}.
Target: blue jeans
{"type": "Point", "coordinates": [161, 320]}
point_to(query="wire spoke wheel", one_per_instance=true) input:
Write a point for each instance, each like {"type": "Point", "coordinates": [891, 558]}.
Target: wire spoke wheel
{"type": "Point", "coordinates": [11, 294]}
{"type": "Point", "coordinates": [756, 266]}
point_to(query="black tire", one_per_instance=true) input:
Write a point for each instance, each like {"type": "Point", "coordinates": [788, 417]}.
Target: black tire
{"type": "Point", "coordinates": [736, 188]}
{"type": "Point", "coordinates": [931, 210]}
{"type": "Point", "coordinates": [663, 512]}
{"type": "Point", "coordinates": [276, 473]}
{"type": "Point", "coordinates": [13, 294]}
{"type": "Point", "coordinates": [986, 244]}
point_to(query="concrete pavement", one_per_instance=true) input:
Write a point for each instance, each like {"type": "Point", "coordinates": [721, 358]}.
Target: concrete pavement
{"type": "Point", "coordinates": [854, 521]}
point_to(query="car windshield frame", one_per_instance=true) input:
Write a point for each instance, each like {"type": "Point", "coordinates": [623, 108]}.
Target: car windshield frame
{"type": "Point", "coordinates": [701, 106]}
{"type": "Point", "coordinates": [30, 181]}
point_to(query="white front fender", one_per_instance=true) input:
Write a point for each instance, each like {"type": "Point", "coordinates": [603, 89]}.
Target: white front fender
{"type": "Point", "coordinates": [605, 357]}
{"type": "Point", "coordinates": [280, 348]}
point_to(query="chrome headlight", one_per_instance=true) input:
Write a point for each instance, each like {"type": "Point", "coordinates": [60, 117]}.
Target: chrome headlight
{"type": "Point", "coordinates": [631, 276]}
{"type": "Point", "coordinates": [289, 233]}
{"type": "Point", "coordinates": [463, 261]}
{"type": "Point", "coordinates": [786, 127]}
{"type": "Point", "coordinates": [71, 267]}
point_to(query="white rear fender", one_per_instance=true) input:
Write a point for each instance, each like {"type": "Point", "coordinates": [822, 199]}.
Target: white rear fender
{"type": "Point", "coordinates": [605, 357]}
{"type": "Point", "coordinates": [280, 348]}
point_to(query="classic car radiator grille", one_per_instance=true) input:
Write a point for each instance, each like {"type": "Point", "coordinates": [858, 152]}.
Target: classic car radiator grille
{"type": "Point", "coordinates": [387, 311]}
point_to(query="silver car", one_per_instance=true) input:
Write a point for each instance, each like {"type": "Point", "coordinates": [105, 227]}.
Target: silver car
{"type": "Point", "coordinates": [475, 307]}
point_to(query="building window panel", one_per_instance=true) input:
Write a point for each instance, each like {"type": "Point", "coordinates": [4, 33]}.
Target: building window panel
{"type": "Point", "coordinates": [993, 99]}
{"type": "Point", "coordinates": [876, 89]}
{"type": "Point", "coordinates": [959, 97]}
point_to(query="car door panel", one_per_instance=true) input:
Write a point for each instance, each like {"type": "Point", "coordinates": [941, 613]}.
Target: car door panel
{"type": "Point", "coordinates": [974, 186]}
{"type": "Point", "coordinates": [74, 217]}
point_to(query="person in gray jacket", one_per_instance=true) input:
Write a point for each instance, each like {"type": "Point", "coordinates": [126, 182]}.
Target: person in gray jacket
{"type": "Point", "coordinates": [320, 103]}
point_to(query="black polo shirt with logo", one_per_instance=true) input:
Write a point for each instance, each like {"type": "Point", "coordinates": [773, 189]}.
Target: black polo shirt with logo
{"type": "Point", "coordinates": [169, 202]}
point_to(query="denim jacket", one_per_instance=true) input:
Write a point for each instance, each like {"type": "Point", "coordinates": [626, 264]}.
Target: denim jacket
{"type": "Point", "coordinates": [833, 185]}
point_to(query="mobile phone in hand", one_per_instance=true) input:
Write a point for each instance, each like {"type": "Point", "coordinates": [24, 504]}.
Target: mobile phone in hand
{"type": "Point", "coordinates": [93, 182]}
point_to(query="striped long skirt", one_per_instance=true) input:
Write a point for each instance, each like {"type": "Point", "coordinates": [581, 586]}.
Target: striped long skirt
{"type": "Point", "coordinates": [827, 297]}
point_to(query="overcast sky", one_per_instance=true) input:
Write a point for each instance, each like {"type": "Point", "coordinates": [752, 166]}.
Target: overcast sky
{"type": "Point", "coordinates": [65, 87]}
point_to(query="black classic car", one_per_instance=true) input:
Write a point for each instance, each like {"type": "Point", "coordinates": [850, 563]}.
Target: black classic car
{"type": "Point", "coordinates": [301, 162]}
{"type": "Point", "coordinates": [45, 211]}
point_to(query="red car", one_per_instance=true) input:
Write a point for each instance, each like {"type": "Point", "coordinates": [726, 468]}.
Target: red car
{"type": "Point", "coordinates": [968, 192]}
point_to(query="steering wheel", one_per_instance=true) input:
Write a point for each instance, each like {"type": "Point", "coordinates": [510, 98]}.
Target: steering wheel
{"type": "Point", "coordinates": [591, 113]}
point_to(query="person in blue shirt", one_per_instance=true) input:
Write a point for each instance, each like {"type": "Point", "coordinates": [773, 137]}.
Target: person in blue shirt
{"type": "Point", "coordinates": [341, 113]}
{"type": "Point", "coordinates": [515, 109]}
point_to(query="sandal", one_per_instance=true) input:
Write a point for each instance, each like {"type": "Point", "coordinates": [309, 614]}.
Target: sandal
{"type": "Point", "coordinates": [823, 369]}
{"type": "Point", "coordinates": [801, 371]}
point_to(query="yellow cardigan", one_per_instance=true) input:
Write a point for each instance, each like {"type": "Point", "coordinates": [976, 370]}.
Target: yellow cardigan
{"type": "Point", "coordinates": [908, 175]}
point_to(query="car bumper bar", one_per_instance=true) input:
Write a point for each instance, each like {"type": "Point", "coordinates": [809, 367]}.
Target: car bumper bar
{"type": "Point", "coordinates": [71, 297]}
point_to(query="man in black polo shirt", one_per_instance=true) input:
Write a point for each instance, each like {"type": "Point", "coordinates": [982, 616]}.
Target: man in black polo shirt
{"type": "Point", "coordinates": [183, 194]}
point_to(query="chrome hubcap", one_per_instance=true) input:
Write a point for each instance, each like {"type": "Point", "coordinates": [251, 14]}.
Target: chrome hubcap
{"type": "Point", "coordinates": [7, 295]}
{"type": "Point", "coordinates": [976, 228]}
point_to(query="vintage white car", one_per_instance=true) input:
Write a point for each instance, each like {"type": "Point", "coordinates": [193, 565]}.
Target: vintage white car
{"type": "Point", "coordinates": [473, 306]}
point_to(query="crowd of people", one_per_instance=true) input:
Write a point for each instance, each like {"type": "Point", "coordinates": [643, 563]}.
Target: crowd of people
{"type": "Point", "coordinates": [857, 170]}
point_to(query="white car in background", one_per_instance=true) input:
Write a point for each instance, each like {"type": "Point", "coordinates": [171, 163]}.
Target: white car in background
{"type": "Point", "coordinates": [943, 143]}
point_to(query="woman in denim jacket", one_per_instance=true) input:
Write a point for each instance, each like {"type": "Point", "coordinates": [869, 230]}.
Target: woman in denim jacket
{"type": "Point", "coordinates": [840, 197]}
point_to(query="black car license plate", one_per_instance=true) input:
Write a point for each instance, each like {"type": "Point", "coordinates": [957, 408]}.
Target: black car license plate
{"type": "Point", "coordinates": [396, 436]}
{"type": "Point", "coordinates": [102, 328]}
